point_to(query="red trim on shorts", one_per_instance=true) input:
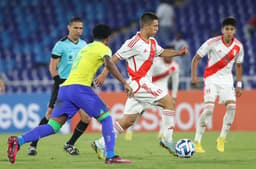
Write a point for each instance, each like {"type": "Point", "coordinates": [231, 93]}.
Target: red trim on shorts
{"type": "Point", "coordinates": [225, 60]}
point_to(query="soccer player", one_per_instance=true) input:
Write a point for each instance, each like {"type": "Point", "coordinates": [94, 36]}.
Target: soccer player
{"type": "Point", "coordinates": [223, 51]}
{"type": "Point", "coordinates": [63, 54]}
{"type": "Point", "coordinates": [139, 52]}
{"type": "Point", "coordinates": [162, 69]}
{"type": "Point", "coordinates": [76, 93]}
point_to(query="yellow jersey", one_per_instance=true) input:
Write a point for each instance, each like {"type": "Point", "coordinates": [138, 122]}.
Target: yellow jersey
{"type": "Point", "coordinates": [87, 62]}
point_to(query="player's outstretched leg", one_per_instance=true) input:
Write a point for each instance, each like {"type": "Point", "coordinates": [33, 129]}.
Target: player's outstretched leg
{"type": "Point", "coordinates": [32, 148]}
{"type": "Point", "coordinates": [201, 125]}
{"type": "Point", "coordinates": [168, 123]}
{"type": "Point", "coordinates": [105, 145]}
{"type": "Point", "coordinates": [227, 122]}
{"type": "Point", "coordinates": [39, 132]}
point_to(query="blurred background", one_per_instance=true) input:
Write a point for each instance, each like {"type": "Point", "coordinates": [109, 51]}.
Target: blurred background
{"type": "Point", "coordinates": [30, 28]}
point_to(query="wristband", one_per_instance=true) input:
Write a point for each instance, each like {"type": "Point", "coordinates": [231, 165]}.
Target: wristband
{"type": "Point", "coordinates": [239, 84]}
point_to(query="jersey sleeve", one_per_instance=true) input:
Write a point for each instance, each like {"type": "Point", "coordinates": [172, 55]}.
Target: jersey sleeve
{"type": "Point", "coordinates": [57, 50]}
{"type": "Point", "coordinates": [240, 55]}
{"type": "Point", "coordinates": [126, 51]}
{"type": "Point", "coordinates": [159, 49]}
{"type": "Point", "coordinates": [106, 51]}
{"type": "Point", "coordinates": [204, 48]}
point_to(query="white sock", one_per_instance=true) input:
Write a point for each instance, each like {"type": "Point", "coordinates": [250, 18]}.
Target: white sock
{"type": "Point", "coordinates": [203, 120]}
{"type": "Point", "coordinates": [228, 119]}
{"type": "Point", "coordinates": [168, 124]}
{"type": "Point", "coordinates": [161, 131]}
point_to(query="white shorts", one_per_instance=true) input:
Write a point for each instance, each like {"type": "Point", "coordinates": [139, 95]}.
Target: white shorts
{"type": "Point", "coordinates": [224, 91]}
{"type": "Point", "coordinates": [146, 95]}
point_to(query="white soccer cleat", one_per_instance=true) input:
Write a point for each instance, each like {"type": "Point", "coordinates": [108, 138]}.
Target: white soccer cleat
{"type": "Point", "coordinates": [100, 150]}
{"type": "Point", "coordinates": [169, 146]}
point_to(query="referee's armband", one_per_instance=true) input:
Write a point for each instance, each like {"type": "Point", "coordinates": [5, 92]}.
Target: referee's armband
{"type": "Point", "coordinates": [239, 84]}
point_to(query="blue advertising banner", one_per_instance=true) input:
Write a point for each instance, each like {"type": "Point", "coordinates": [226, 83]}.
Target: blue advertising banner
{"type": "Point", "coordinates": [22, 112]}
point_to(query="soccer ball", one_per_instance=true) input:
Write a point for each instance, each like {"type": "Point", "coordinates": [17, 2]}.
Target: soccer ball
{"type": "Point", "coordinates": [185, 148]}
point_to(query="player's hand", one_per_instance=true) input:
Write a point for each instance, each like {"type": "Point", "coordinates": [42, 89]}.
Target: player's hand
{"type": "Point", "coordinates": [57, 79]}
{"type": "Point", "coordinates": [184, 51]}
{"type": "Point", "coordinates": [99, 80]}
{"type": "Point", "coordinates": [238, 92]}
{"type": "Point", "coordinates": [195, 84]}
{"type": "Point", "coordinates": [2, 87]}
{"type": "Point", "coordinates": [128, 90]}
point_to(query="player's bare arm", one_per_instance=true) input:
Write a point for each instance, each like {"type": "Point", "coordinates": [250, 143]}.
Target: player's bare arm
{"type": "Point", "coordinates": [194, 79]}
{"type": "Point", "coordinates": [2, 87]}
{"type": "Point", "coordinates": [173, 53]}
{"type": "Point", "coordinates": [239, 71]}
{"type": "Point", "coordinates": [115, 72]}
{"type": "Point", "coordinates": [99, 80]}
{"type": "Point", "coordinates": [53, 66]}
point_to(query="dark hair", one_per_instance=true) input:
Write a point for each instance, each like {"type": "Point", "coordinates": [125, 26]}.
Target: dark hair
{"type": "Point", "coordinates": [229, 21]}
{"type": "Point", "coordinates": [75, 19]}
{"type": "Point", "coordinates": [101, 31]}
{"type": "Point", "coordinates": [147, 18]}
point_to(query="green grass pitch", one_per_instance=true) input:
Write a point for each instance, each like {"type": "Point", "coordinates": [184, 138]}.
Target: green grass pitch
{"type": "Point", "coordinates": [143, 150]}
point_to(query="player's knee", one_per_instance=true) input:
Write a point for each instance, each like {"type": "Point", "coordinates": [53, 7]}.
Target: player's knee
{"type": "Point", "coordinates": [127, 120]}
{"type": "Point", "coordinates": [55, 125]}
{"type": "Point", "coordinates": [130, 121]}
{"type": "Point", "coordinates": [231, 107]}
{"type": "Point", "coordinates": [103, 115]}
{"type": "Point", "coordinates": [167, 103]}
{"type": "Point", "coordinates": [208, 109]}
{"type": "Point", "coordinates": [84, 117]}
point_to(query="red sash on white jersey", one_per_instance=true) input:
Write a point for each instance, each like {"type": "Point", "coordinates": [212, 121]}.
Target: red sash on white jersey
{"type": "Point", "coordinates": [221, 63]}
{"type": "Point", "coordinates": [145, 67]}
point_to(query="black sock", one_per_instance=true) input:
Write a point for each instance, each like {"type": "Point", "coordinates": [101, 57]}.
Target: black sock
{"type": "Point", "coordinates": [79, 130]}
{"type": "Point", "coordinates": [43, 121]}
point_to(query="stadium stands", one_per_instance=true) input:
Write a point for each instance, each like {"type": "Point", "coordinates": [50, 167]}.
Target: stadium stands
{"type": "Point", "coordinates": [29, 29]}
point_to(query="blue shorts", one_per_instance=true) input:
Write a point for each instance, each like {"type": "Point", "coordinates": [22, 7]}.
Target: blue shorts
{"type": "Point", "coordinates": [71, 98]}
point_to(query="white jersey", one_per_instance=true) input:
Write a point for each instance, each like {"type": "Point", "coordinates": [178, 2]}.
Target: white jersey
{"type": "Point", "coordinates": [161, 72]}
{"type": "Point", "coordinates": [139, 55]}
{"type": "Point", "coordinates": [221, 59]}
